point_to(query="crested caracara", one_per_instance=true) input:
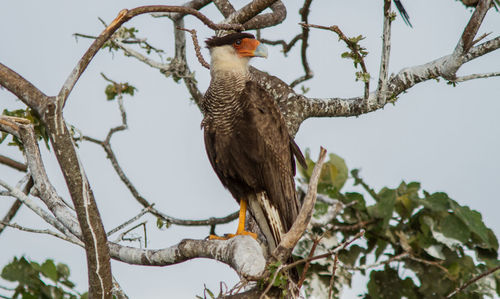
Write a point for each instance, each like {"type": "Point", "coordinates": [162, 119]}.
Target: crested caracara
{"type": "Point", "coordinates": [246, 139]}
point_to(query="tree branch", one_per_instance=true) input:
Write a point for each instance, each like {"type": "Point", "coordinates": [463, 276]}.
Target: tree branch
{"type": "Point", "coordinates": [242, 253]}
{"type": "Point", "coordinates": [386, 51]}
{"type": "Point", "coordinates": [124, 16]}
{"type": "Point", "coordinates": [23, 89]}
{"type": "Point", "coordinates": [13, 163]}
{"type": "Point", "coordinates": [16, 205]}
{"type": "Point", "coordinates": [304, 17]}
{"type": "Point", "coordinates": [473, 280]}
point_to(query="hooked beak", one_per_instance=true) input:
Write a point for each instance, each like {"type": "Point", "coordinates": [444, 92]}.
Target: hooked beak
{"type": "Point", "coordinates": [260, 51]}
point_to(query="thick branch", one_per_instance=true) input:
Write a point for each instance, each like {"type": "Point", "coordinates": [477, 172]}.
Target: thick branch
{"type": "Point", "coordinates": [22, 88]}
{"type": "Point", "coordinates": [466, 41]}
{"type": "Point", "coordinates": [242, 253]}
{"type": "Point", "coordinates": [277, 16]}
{"type": "Point", "coordinates": [249, 11]}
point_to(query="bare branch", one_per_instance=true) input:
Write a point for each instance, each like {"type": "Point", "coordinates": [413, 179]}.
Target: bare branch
{"type": "Point", "coordinates": [38, 210]}
{"type": "Point", "coordinates": [225, 7]}
{"type": "Point", "coordinates": [119, 227]}
{"type": "Point", "coordinates": [466, 41]}
{"type": "Point", "coordinates": [124, 16]}
{"type": "Point", "coordinates": [286, 46]}
{"type": "Point", "coordinates": [197, 49]}
{"type": "Point", "coordinates": [322, 256]}
{"type": "Point", "coordinates": [175, 16]}
{"type": "Point", "coordinates": [23, 89]}
{"type": "Point", "coordinates": [482, 49]}
{"type": "Point", "coordinates": [386, 51]}
{"type": "Point", "coordinates": [42, 231]}
{"type": "Point", "coordinates": [388, 261]}
{"type": "Point", "coordinates": [248, 11]}
{"type": "Point", "coordinates": [13, 163]}
{"type": "Point", "coordinates": [16, 205]}
{"type": "Point", "coordinates": [290, 239]}
{"type": "Point", "coordinates": [277, 16]}
{"type": "Point", "coordinates": [242, 253]}
{"type": "Point", "coordinates": [181, 60]}
{"type": "Point", "coordinates": [308, 74]}
{"type": "Point", "coordinates": [45, 189]}
{"type": "Point", "coordinates": [353, 46]}
{"type": "Point", "coordinates": [476, 76]}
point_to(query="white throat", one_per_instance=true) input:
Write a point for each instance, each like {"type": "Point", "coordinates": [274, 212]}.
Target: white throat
{"type": "Point", "coordinates": [225, 59]}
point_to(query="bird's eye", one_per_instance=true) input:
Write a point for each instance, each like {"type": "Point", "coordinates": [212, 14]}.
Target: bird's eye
{"type": "Point", "coordinates": [238, 42]}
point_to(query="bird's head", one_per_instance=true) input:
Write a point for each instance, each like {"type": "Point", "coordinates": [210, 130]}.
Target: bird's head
{"type": "Point", "coordinates": [233, 51]}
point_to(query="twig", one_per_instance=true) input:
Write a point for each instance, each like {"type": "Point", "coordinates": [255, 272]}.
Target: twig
{"type": "Point", "coordinates": [13, 163]}
{"type": "Point", "coordinates": [306, 266]}
{"type": "Point", "coordinates": [202, 61]}
{"type": "Point", "coordinates": [16, 205]}
{"type": "Point", "coordinates": [353, 46]}
{"type": "Point", "coordinates": [38, 210]}
{"type": "Point", "coordinates": [476, 76]}
{"type": "Point", "coordinates": [464, 286]}
{"type": "Point", "coordinates": [308, 74]}
{"type": "Point", "coordinates": [119, 227]}
{"type": "Point", "coordinates": [321, 256]}
{"type": "Point", "coordinates": [436, 264]}
{"type": "Point", "coordinates": [388, 261]}
{"type": "Point", "coordinates": [286, 46]}
{"type": "Point", "coordinates": [263, 295]}
{"type": "Point", "coordinates": [483, 36]}
{"type": "Point", "coordinates": [122, 235]}
{"type": "Point", "coordinates": [336, 260]}
{"type": "Point", "coordinates": [42, 231]}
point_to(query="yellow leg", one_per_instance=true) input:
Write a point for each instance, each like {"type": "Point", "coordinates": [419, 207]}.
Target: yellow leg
{"type": "Point", "coordinates": [241, 225]}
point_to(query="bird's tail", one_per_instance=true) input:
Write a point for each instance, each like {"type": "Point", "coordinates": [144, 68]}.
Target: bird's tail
{"type": "Point", "coordinates": [270, 224]}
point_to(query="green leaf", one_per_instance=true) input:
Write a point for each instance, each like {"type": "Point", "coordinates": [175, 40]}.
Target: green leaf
{"type": "Point", "coordinates": [452, 227]}
{"type": "Point", "coordinates": [384, 208]}
{"type": "Point", "coordinates": [387, 284]}
{"type": "Point", "coordinates": [49, 270]}
{"type": "Point", "coordinates": [437, 202]}
{"type": "Point", "coordinates": [473, 220]}
{"type": "Point", "coordinates": [349, 256]}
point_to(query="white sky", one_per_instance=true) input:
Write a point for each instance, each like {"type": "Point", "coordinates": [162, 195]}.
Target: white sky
{"type": "Point", "coordinates": [446, 138]}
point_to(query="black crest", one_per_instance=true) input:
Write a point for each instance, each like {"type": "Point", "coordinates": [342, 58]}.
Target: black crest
{"type": "Point", "coordinates": [226, 39]}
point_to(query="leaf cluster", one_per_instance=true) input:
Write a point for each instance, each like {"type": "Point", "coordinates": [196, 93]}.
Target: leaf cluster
{"type": "Point", "coordinates": [33, 117]}
{"type": "Point", "coordinates": [113, 90]}
{"type": "Point", "coordinates": [441, 244]}
{"type": "Point", "coordinates": [47, 280]}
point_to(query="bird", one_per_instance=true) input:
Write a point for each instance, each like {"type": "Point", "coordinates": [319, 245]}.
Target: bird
{"type": "Point", "coordinates": [247, 141]}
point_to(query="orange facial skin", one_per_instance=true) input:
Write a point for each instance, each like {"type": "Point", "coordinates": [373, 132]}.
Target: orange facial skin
{"type": "Point", "coordinates": [246, 47]}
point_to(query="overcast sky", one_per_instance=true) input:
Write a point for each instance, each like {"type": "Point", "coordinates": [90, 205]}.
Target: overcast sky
{"type": "Point", "coordinates": [446, 138]}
